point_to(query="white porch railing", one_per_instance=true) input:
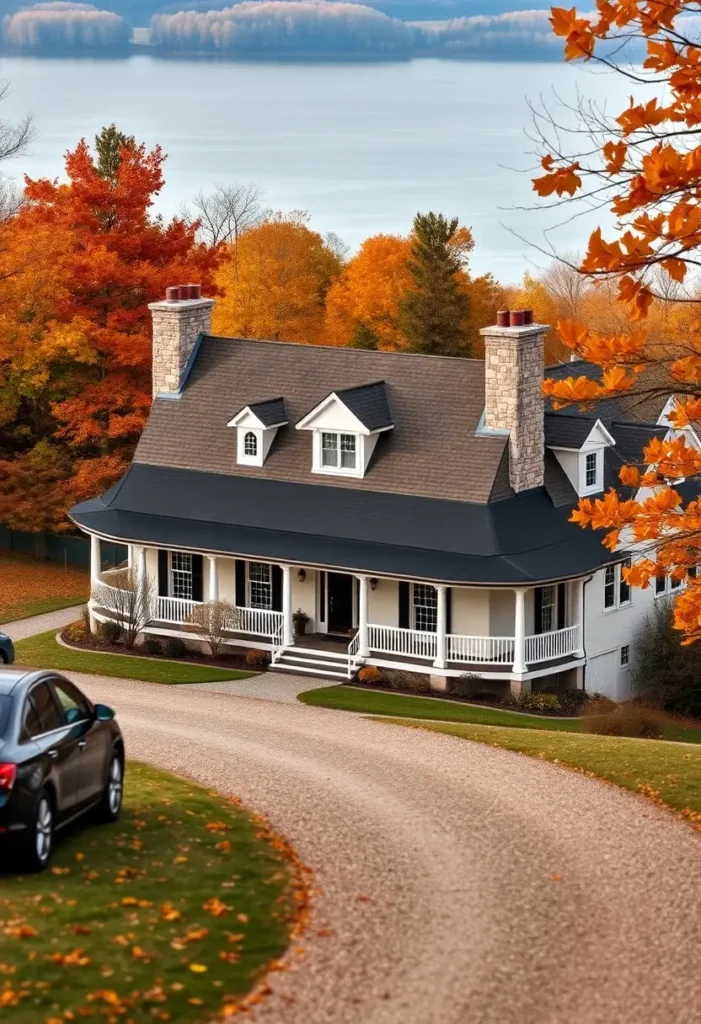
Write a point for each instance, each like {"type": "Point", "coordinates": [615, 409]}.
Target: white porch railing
{"type": "Point", "coordinates": [174, 609]}
{"type": "Point", "coordinates": [258, 621]}
{"type": "Point", "coordinates": [408, 642]}
{"type": "Point", "coordinates": [486, 650]}
{"type": "Point", "coordinates": [556, 644]}
{"type": "Point", "coordinates": [110, 598]}
{"type": "Point", "coordinates": [353, 648]}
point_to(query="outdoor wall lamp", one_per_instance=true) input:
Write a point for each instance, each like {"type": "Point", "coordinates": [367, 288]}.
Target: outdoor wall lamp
{"type": "Point", "coordinates": [373, 583]}
{"type": "Point", "coordinates": [301, 575]}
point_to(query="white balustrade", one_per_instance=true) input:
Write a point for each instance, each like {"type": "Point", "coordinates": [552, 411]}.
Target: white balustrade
{"type": "Point", "coordinates": [485, 650]}
{"type": "Point", "coordinates": [175, 609]}
{"type": "Point", "coordinates": [558, 643]}
{"type": "Point", "coordinates": [108, 597]}
{"type": "Point", "coordinates": [408, 642]}
{"type": "Point", "coordinates": [259, 621]}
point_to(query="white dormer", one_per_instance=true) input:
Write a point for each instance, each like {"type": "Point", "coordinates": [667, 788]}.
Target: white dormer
{"type": "Point", "coordinates": [688, 432]}
{"type": "Point", "coordinates": [580, 449]}
{"type": "Point", "coordinates": [256, 426]}
{"type": "Point", "coordinates": [345, 429]}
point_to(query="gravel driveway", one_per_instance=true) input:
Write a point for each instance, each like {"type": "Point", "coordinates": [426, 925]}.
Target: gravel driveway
{"type": "Point", "coordinates": [457, 882]}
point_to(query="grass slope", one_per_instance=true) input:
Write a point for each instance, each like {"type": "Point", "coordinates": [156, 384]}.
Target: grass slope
{"type": "Point", "coordinates": [370, 702]}
{"type": "Point", "coordinates": [132, 908]}
{"type": "Point", "coordinates": [42, 651]}
{"type": "Point", "coordinates": [667, 772]}
{"type": "Point", "coordinates": [30, 587]}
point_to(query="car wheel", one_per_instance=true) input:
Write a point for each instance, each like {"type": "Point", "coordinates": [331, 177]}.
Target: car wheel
{"type": "Point", "coordinates": [39, 842]}
{"type": "Point", "coordinates": [111, 803]}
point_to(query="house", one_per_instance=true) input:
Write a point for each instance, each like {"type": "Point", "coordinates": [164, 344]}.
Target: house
{"type": "Point", "coordinates": [416, 508]}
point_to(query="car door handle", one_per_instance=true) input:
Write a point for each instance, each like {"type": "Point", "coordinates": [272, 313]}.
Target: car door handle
{"type": "Point", "coordinates": [52, 753]}
{"type": "Point", "coordinates": [82, 743]}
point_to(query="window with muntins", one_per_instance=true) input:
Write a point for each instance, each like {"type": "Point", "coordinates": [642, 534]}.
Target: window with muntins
{"type": "Point", "coordinates": [260, 585]}
{"type": "Point", "coordinates": [590, 468]}
{"type": "Point", "coordinates": [616, 590]}
{"type": "Point", "coordinates": [250, 445]}
{"type": "Point", "coordinates": [425, 607]}
{"type": "Point", "coordinates": [181, 575]}
{"type": "Point", "coordinates": [338, 451]}
{"type": "Point", "coordinates": [625, 655]}
{"type": "Point", "coordinates": [547, 610]}
{"type": "Point", "coordinates": [623, 588]}
{"type": "Point", "coordinates": [610, 587]}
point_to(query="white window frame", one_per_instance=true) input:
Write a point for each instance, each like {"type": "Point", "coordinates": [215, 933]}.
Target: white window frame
{"type": "Point", "coordinates": [172, 570]}
{"type": "Point", "coordinates": [415, 605]}
{"type": "Point", "coordinates": [616, 583]}
{"type": "Point", "coordinates": [251, 582]}
{"type": "Point", "coordinates": [624, 656]}
{"type": "Point", "coordinates": [552, 607]}
{"type": "Point", "coordinates": [668, 587]}
{"type": "Point", "coordinates": [598, 485]}
{"type": "Point", "coordinates": [337, 469]}
{"type": "Point", "coordinates": [242, 457]}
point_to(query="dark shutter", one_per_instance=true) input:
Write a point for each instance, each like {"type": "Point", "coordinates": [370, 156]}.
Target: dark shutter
{"type": "Point", "coordinates": [403, 604]}
{"type": "Point", "coordinates": [322, 597]}
{"type": "Point", "coordinates": [163, 573]}
{"type": "Point", "coordinates": [277, 588]}
{"type": "Point", "coordinates": [197, 591]}
{"type": "Point", "coordinates": [240, 583]}
{"type": "Point", "coordinates": [448, 610]}
{"type": "Point", "coordinates": [561, 605]}
{"type": "Point", "coordinates": [538, 617]}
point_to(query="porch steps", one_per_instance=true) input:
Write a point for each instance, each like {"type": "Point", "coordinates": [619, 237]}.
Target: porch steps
{"type": "Point", "coordinates": [307, 661]}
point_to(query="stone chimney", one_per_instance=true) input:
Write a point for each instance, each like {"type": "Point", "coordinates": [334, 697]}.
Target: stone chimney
{"type": "Point", "coordinates": [177, 322]}
{"type": "Point", "coordinates": [513, 370]}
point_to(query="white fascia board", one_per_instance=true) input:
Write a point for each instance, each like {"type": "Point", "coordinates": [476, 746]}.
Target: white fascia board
{"type": "Point", "coordinates": [308, 422]}
{"type": "Point", "coordinates": [236, 421]}
{"type": "Point", "coordinates": [599, 435]}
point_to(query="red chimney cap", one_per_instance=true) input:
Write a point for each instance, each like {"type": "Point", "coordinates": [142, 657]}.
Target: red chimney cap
{"type": "Point", "coordinates": [172, 294]}
{"type": "Point", "coordinates": [516, 318]}
{"type": "Point", "coordinates": [527, 316]}
{"type": "Point", "coordinates": [183, 292]}
{"type": "Point", "coordinates": [502, 318]}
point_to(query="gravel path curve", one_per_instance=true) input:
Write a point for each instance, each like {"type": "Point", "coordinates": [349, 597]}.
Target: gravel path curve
{"type": "Point", "coordinates": [457, 882]}
{"type": "Point", "coordinates": [20, 629]}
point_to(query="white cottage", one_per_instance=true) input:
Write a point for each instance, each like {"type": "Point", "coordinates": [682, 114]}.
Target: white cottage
{"type": "Point", "coordinates": [414, 507]}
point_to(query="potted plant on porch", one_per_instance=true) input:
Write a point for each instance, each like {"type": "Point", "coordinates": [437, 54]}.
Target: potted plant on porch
{"type": "Point", "coordinates": [299, 621]}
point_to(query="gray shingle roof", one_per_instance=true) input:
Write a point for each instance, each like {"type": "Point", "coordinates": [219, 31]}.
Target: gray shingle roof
{"type": "Point", "coordinates": [370, 403]}
{"type": "Point", "coordinates": [270, 412]}
{"type": "Point", "coordinates": [567, 431]}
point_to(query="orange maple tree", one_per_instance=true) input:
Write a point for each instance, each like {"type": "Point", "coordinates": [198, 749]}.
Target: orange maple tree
{"type": "Point", "coordinates": [78, 265]}
{"type": "Point", "coordinates": [645, 165]}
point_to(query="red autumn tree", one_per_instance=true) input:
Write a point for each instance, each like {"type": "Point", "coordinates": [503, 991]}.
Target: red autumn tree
{"type": "Point", "coordinates": [645, 165]}
{"type": "Point", "coordinates": [78, 265]}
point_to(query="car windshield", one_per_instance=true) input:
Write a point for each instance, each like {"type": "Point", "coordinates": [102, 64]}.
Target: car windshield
{"type": "Point", "coordinates": [5, 704]}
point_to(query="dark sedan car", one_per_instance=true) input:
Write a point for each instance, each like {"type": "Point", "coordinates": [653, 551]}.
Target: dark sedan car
{"type": "Point", "coordinates": [7, 650]}
{"type": "Point", "coordinates": [60, 756]}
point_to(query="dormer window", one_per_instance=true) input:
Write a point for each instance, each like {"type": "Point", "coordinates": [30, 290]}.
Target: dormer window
{"type": "Point", "coordinates": [591, 464]}
{"type": "Point", "coordinates": [591, 469]}
{"type": "Point", "coordinates": [345, 429]}
{"type": "Point", "coordinates": [579, 446]}
{"type": "Point", "coordinates": [256, 427]}
{"type": "Point", "coordinates": [338, 451]}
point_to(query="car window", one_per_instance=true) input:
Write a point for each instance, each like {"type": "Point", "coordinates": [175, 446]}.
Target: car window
{"type": "Point", "coordinates": [45, 707]}
{"type": "Point", "coordinates": [74, 706]}
{"type": "Point", "coordinates": [5, 705]}
{"type": "Point", "coordinates": [31, 726]}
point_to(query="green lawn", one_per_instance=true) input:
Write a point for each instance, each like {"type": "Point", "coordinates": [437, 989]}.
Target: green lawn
{"type": "Point", "coordinates": [665, 771]}
{"type": "Point", "coordinates": [42, 651]}
{"type": "Point", "coordinates": [170, 914]}
{"type": "Point", "coordinates": [396, 705]}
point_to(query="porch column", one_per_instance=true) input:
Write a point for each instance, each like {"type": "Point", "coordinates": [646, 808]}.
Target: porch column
{"type": "Point", "coordinates": [287, 632]}
{"type": "Point", "coordinates": [578, 615]}
{"type": "Point", "coordinates": [441, 628]}
{"type": "Point", "coordinates": [363, 639]}
{"type": "Point", "coordinates": [95, 558]}
{"type": "Point", "coordinates": [213, 578]}
{"type": "Point", "coordinates": [519, 665]}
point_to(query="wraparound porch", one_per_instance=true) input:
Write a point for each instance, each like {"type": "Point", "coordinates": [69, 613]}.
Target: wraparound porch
{"type": "Point", "coordinates": [342, 608]}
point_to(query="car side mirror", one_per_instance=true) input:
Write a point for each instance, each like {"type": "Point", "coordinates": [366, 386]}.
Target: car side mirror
{"type": "Point", "coordinates": [103, 713]}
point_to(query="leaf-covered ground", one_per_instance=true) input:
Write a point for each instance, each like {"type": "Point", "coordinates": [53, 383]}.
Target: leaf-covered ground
{"type": "Point", "coordinates": [173, 913]}
{"type": "Point", "coordinates": [42, 651]}
{"type": "Point", "coordinates": [29, 587]}
{"type": "Point", "coordinates": [666, 772]}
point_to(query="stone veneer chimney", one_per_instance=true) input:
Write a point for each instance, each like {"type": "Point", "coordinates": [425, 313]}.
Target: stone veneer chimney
{"type": "Point", "coordinates": [513, 370]}
{"type": "Point", "coordinates": [177, 322]}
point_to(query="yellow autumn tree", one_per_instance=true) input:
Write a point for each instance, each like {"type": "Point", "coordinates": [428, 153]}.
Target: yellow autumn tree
{"type": "Point", "coordinates": [275, 279]}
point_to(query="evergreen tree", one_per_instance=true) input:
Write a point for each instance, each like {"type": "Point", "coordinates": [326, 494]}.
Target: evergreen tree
{"type": "Point", "coordinates": [364, 337]}
{"type": "Point", "coordinates": [108, 146]}
{"type": "Point", "coordinates": [433, 315]}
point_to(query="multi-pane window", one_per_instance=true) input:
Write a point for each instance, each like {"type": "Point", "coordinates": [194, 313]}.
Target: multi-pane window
{"type": "Point", "coordinates": [623, 588]}
{"type": "Point", "coordinates": [610, 587]}
{"type": "Point", "coordinates": [547, 609]}
{"type": "Point", "coordinates": [338, 451]}
{"type": "Point", "coordinates": [250, 445]}
{"type": "Point", "coordinates": [590, 467]}
{"type": "Point", "coordinates": [674, 584]}
{"type": "Point", "coordinates": [425, 607]}
{"type": "Point", "coordinates": [625, 655]}
{"type": "Point", "coordinates": [260, 585]}
{"type": "Point", "coordinates": [181, 575]}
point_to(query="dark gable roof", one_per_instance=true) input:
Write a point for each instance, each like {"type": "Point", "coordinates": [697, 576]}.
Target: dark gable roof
{"type": "Point", "coordinates": [436, 404]}
{"type": "Point", "coordinates": [270, 412]}
{"type": "Point", "coordinates": [567, 431]}
{"type": "Point", "coordinates": [643, 404]}
{"type": "Point", "coordinates": [522, 540]}
{"type": "Point", "coordinates": [370, 403]}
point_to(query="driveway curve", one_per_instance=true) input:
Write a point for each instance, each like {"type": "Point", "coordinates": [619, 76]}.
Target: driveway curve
{"type": "Point", "coordinates": [456, 882]}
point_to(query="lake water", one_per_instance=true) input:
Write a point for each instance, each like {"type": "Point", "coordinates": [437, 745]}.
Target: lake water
{"type": "Point", "coordinates": [362, 147]}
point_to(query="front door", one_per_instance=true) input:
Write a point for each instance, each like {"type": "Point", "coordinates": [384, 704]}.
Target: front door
{"type": "Point", "coordinates": [340, 599]}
